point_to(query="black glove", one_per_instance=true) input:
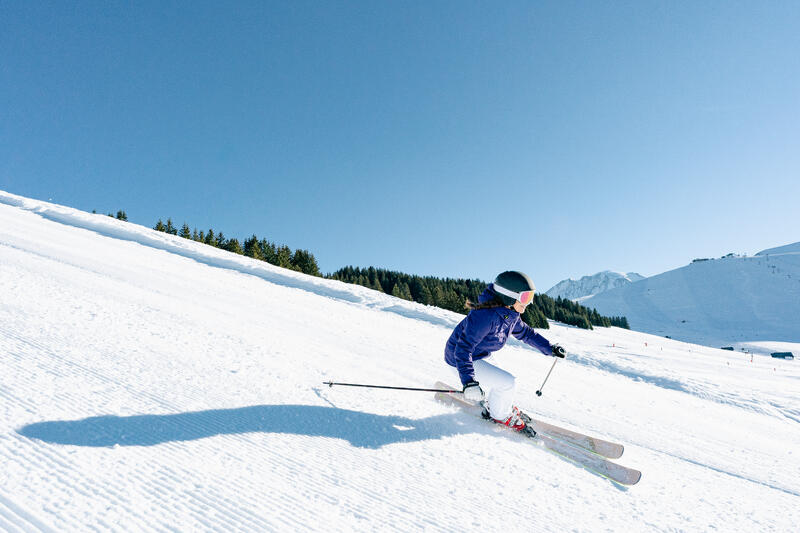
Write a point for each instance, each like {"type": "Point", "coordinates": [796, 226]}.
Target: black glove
{"type": "Point", "coordinates": [558, 351]}
{"type": "Point", "coordinates": [473, 392]}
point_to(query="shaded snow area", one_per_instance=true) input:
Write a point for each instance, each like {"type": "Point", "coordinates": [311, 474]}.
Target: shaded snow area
{"type": "Point", "coordinates": [150, 383]}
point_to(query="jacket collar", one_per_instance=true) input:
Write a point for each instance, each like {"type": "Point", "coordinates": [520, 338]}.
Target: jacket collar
{"type": "Point", "coordinates": [506, 313]}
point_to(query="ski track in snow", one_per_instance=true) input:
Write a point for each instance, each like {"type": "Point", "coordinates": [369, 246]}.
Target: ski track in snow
{"type": "Point", "coordinates": [149, 383]}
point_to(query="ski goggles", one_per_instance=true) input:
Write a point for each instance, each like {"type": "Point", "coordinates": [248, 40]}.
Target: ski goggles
{"type": "Point", "coordinates": [524, 297]}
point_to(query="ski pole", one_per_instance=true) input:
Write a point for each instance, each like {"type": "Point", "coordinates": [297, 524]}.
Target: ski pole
{"type": "Point", "coordinates": [332, 383]}
{"type": "Point", "coordinates": [539, 392]}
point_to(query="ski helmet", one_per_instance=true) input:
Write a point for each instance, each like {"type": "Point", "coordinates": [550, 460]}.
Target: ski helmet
{"type": "Point", "coordinates": [511, 285]}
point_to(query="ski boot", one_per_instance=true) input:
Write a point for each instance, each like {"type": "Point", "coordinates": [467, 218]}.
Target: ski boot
{"type": "Point", "coordinates": [518, 421]}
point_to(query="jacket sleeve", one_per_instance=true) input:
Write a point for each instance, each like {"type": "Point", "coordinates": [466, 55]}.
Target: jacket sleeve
{"type": "Point", "coordinates": [525, 333]}
{"type": "Point", "coordinates": [476, 327]}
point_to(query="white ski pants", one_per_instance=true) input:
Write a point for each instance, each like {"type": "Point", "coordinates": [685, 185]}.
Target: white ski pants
{"type": "Point", "coordinates": [496, 383]}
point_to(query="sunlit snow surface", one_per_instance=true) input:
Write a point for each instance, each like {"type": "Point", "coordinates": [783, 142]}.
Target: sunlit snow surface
{"type": "Point", "coordinates": [715, 302]}
{"type": "Point", "coordinates": [152, 383]}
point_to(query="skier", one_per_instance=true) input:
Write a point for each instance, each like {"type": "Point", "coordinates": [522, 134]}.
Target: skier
{"type": "Point", "coordinates": [485, 330]}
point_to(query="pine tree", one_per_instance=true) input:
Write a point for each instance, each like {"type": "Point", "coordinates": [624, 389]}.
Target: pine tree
{"type": "Point", "coordinates": [172, 230]}
{"type": "Point", "coordinates": [425, 295]}
{"type": "Point", "coordinates": [453, 302]}
{"type": "Point", "coordinates": [376, 285]}
{"type": "Point", "coordinates": [406, 290]}
{"type": "Point", "coordinates": [284, 257]}
{"type": "Point", "coordinates": [232, 245]}
{"type": "Point", "coordinates": [160, 226]}
{"type": "Point", "coordinates": [268, 251]}
{"type": "Point", "coordinates": [304, 261]}
{"type": "Point", "coordinates": [537, 319]}
{"type": "Point", "coordinates": [211, 239]}
{"type": "Point", "coordinates": [374, 281]}
{"type": "Point", "coordinates": [252, 248]}
{"type": "Point", "coordinates": [121, 215]}
{"type": "Point", "coordinates": [397, 291]}
{"type": "Point", "coordinates": [438, 296]}
{"type": "Point", "coordinates": [186, 233]}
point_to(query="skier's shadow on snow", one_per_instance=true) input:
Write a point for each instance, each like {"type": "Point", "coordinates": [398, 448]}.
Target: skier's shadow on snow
{"type": "Point", "coordinates": [364, 430]}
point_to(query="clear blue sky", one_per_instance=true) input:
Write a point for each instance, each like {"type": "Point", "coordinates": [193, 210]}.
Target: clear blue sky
{"type": "Point", "coordinates": [444, 138]}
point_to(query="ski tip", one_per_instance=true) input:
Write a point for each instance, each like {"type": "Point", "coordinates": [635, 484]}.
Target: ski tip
{"type": "Point", "coordinates": [632, 480]}
{"type": "Point", "coordinates": [616, 453]}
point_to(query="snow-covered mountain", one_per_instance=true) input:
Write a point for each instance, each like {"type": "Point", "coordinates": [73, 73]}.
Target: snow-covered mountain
{"type": "Point", "coordinates": [573, 289]}
{"type": "Point", "coordinates": [151, 383]}
{"type": "Point", "coordinates": [789, 248]}
{"type": "Point", "coordinates": [716, 302]}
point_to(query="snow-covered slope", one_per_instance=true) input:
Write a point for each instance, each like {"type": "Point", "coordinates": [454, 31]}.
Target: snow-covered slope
{"type": "Point", "coordinates": [149, 383]}
{"type": "Point", "coordinates": [572, 289]}
{"type": "Point", "coordinates": [715, 302]}
{"type": "Point", "coordinates": [789, 248]}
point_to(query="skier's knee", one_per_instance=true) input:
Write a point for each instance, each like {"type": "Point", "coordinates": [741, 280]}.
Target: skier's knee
{"type": "Point", "coordinates": [508, 384]}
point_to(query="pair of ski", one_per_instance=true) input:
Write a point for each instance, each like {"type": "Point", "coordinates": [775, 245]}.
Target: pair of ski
{"type": "Point", "coordinates": [592, 453]}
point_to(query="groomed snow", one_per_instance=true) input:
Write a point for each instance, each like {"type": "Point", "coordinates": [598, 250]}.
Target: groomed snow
{"type": "Point", "coordinates": [150, 383]}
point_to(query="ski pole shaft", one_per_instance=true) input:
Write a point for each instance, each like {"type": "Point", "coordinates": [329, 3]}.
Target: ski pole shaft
{"type": "Point", "coordinates": [539, 392]}
{"type": "Point", "coordinates": [332, 383]}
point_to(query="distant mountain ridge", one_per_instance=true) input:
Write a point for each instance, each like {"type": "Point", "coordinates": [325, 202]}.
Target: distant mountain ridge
{"type": "Point", "coordinates": [590, 285]}
{"type": "Point", "coordinates": [717, 301]}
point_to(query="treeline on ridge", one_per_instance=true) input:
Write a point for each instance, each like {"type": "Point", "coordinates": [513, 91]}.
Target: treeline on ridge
{"type": "Point", "coordinates": [261, 249]}
{"type": "Point", "coordinates": [452, 294]}
{"type": "Point", "coordinates": [446, 293]}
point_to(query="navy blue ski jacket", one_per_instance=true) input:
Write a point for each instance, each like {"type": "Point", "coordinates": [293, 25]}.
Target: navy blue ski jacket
{"type": "Point", "coordinates": [484, 331]}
